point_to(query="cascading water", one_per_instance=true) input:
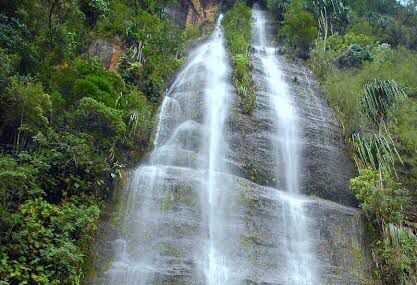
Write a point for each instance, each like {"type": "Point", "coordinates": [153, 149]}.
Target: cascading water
{"type": "Point", "coordinates": [173, 228]}
{"type": "Point", "coordinates": [299, 262]}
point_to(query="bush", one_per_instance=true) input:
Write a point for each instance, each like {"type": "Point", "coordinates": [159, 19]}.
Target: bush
{"type": "Point", "coordinates": [96, 118]}
{"type": "Point", "coordinates": [395, 255]}
{"type": "Point", "coordinates": [97, 88]}
{"type": "Point", "coordinates": [383, 201]}
{"type": "Point", "coordinates": [93, 9]}
{"type": "Point", "coordinates": [45, 245]}
{"type": "Point", "coordinates": [353, 56]}
{"type": "Point", "coordinates": [278, 7]}
{"type": "Point", "coordinates": [69, 164]}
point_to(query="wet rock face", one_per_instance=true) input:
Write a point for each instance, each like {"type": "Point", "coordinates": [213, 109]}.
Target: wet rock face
{"type": "Point", "coordinates": [338, 240]}
{"type": "Point", "coordinates": [325, 167]}
{"type": "Point", "coordinates": [170, 245]}
{"type": "Point", "coordinates": [108, 51]}
{"type": "Point", "coordinates": [342, 247]}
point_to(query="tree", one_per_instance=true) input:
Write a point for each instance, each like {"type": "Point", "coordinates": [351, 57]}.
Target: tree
{"type": "Point", "coordinates": [278, 7]}
{"type": "Point", "coordinates": [93, 9]}
{"type": "Point", "coordinates": [96, 118]}
{"type": "Point", "coordinates": [299, 27]}
{"type": "Point", "coordinates": [332, 16]}
{"type": "Point", "coordinates": [57, 26]}
{"type": "Point", "coordinates": [24, 107]}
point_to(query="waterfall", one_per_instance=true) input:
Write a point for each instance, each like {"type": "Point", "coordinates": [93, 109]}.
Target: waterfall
{"type": "Point", "coordinates": [174, 226]}
{"type": "Point", "coordinates": [221, 199]}
{"type": "Point", "coordinates": [217, 90]}
{"type": "Point", "coordinates": [299, 260]}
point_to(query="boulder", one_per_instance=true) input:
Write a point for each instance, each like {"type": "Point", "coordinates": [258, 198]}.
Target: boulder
{"type": "Point", "coordinates": [108, 51]}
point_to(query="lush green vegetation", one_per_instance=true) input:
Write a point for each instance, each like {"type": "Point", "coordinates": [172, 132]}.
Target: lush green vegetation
{"type": "Point", "coordinates": [299, 27]}
{"type": "Point", "coordinates": [237, 27]}
{"type": "Point", "coordinates": [364, 54]}
{"type": "Point", "coordinates": [68, 126]}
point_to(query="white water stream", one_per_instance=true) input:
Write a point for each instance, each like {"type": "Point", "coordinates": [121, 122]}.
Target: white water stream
{"type": "Point", "coordinates": [175, 221]}
{"type": "Point", "coordinates": [300, 264]}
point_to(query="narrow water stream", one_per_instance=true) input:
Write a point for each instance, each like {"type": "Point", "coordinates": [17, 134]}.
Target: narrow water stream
{"type": "Point", "coordinates": [295, 249]}
{"type": "Point", "coordinates": [221, 198]}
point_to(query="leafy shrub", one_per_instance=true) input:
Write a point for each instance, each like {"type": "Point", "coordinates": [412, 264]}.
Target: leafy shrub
{"type": "Point", "coordinates": [97, 88]}
{"type": "Point", "coordinates": [41, 248]}
{"type": "Point", "coordinates": [129, 68]}
{"type": "Point", "coordinates": [353, 56]}
{"type": "Point", "coordinates": [17, 183]}
{"type": "Point", "coordinates": [96, 118]}
{"type": "Point", "coordinates": [278, 7]}
{"type": "Point", "coordinates": [93, 9]}
{"type": "Point", "coordinates": [16, 38]}
{"type": "Point", "coordinates": [70, 164]}
{"type": "Point", "coordinates": [153, 88]}
{"type": "Point", "coordinates": [339, 43]}
{"type": "Point", "coordinates": [395, 255]}
{"type": "Point", "coordinates": [383, 201]}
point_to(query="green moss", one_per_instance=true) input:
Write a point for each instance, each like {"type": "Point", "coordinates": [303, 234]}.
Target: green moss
{"type": "Point", "coordinates": [247, 196]}
{"type": "Point", "coordinates": [170, 250]}
{"type": "Point", "coordinates": [182, 194]}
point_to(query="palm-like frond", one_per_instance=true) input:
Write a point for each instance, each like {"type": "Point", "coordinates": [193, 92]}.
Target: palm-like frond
{"type": "Point", "coordinates": [379, 152]}
{"type": "Point", "coordinates": [379, 96]}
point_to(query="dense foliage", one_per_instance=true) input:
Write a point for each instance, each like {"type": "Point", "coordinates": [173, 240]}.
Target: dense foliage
{"type": "Point", "coordinates": [299, 27]}
{"type": "Point", "coordinates": [69, 126]}
{"type": "Point", "coordinates": [237, 27]}
{"type": "Point", "coordinates": [364, 54]}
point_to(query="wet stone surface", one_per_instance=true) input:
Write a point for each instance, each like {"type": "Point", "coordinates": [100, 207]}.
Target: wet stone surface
{"type": "Point", "coordinates": [325, 167]}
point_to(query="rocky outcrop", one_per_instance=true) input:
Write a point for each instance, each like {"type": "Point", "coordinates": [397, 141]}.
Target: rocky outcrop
{"type": "Point", "coordinates": [194, 12]}
{"type": "Point", "coordinates": [108, 51]}
{"type": "Point", "coordinates": [256, 230]}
